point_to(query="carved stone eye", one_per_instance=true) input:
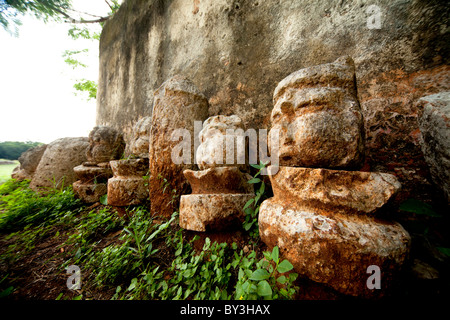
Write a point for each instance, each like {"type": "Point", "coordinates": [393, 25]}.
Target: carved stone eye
{"type": "Point", "coordinates": [287, 108]}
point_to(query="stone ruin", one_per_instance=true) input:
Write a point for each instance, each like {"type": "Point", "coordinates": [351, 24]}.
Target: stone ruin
{"type": "Point", "coordinates": [129, 185]}
{"type": "Point", "coordinates": [105, 144]}
{"type": "Point", "coordinates": [324, 215]}
{"type": "Point", "coordinates": [220, 189]}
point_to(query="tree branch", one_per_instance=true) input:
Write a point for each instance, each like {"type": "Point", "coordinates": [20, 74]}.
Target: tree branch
{"type": "Point", "coordinates": [72, 20]}
{"type": "Point", "coordinates": [109, 5]}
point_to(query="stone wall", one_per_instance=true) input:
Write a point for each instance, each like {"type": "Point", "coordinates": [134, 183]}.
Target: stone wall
{"type": "Point", "coordinates": [236, 52]}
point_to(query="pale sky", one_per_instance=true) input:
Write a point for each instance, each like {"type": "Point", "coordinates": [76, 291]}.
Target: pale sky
{"type": "Point", "coordinates": [37, 100]}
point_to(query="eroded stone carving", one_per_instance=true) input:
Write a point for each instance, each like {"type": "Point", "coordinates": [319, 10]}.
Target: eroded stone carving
{"type": "Point", "coordinates": [105, 144]}
{"type": "Point", "coordinates": [220, 190]}
{"type": "Point", "coordinates": [318, 117]}
{"type": "Point", "coordinates": [324, 220]}
{"type": "Point", "coordinates": [129, 185]}
{"type": "Point", "coordinates": [212, 151]}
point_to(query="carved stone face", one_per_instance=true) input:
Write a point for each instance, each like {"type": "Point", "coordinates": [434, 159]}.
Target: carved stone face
{"type": "Point", "coordinates": [318, 118]}
{"type": "Point", "coordinates": [139, 144]}
{"type": "Point", "coordinates": [212, 151]}
{"type": "Point", "coordinates": [105, 144]}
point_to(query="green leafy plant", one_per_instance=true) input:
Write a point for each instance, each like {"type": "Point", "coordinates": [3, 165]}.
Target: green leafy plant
{"type": "Point", "coordinates": [264, 281]}
{"type": "Point", "coordinates": [24, 207]}
{"type": "Point", "coordinates": [251, 208]}
{"type": "Point", "coordinates": [418, 207]}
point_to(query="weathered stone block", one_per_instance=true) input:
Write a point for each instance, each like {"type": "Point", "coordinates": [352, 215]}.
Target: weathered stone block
{"type": "Point", "coordinates": [128, 186]}
{"type": "Point", "coordinates": [139, 141]}
{"type": "Point", "coordinates": [127, 191]}
{"type": "Point", "coordinates": [105, 144]}
{"type": "Point", "coordinates": [435, 140]}
{"type": "Point", "coordinates": [29, 160]}
{"type": "Point", "coordinates": [218, 180]}
{"type": "Point", "coordinates": [130, 167]}
{"type": "Point", "coordinates": [92, 173]}
{"type": "Point", "coordinates": [325, 190]}
{"type": "Point", "coordinates": [177, 104]}
{"type": "Point", "coordinates": [89, 192]}
{"type": "Point", "coordinates": [203, 212]}
{"type": "Point", "coordinates": [334, 248]}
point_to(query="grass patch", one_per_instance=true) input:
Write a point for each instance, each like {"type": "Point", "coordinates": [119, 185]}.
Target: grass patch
{"type": "Point", "coordinates": [132, 256]}
{"type": "Point", "coordinates": [6, 170]}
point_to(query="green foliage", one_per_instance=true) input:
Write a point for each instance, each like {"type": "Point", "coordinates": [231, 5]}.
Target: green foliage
{"type": "Point", "coordinates": [267, 279]}
{"type": "Point", "coordinates": [30, 217]}
{"type": "Point", "coordinates": [88, 86]}
{"type": "Point", "coordinates": [21, 206]}
{"type": "Point", "coordinates": [71, 60]}
{"type": "Point", "coordinates": [140, 255]}
{"type": "Point", "coordinates": [11, 10]}
{"type": "Point", "coordinates": [418, 207]}
{"type": "Point", "coordinates": [77, 32]}
{"type": "Point", "coordinates": [251, 208]}
{"type": "Point", "coordinates": [6, 171]}
{"type": "Point", "coordinates": [12, 150]}
{"type": "Point", "coordinates": [205, 275]}
{"type": "Point", "coordinates": [11, 185]}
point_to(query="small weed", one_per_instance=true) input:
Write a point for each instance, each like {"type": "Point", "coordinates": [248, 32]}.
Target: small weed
{"type": "Point", "coordinates": [251, 208]}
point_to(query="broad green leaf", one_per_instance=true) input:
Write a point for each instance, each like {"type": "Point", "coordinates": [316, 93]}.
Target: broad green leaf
{"type": "Point", "coordinates": [293, 276]}
{"type": "Point", "coordinates": [248, 203]}
{"type": "Point", "coordinates": [104, 200]}
{"type": "Point", "coordinates": [262, 188]}
{"type": "Point", "coordinates": [275, 254]}
{"type": "Point", "coordinates": [256, 166]}
{"type": "Point", "coordinates": [267, 255]}
{"type": "Point", "coordinates": [445, 251]}
{"type": "Point", "coordinates": [254, 180]}
{"type": "Point", "coordinates": [282, 279]}
{"type": "Point", "coordinates": [240, 274]}
{"type": "Point", "coordinates": [284, 266]}
{"type": "Point", "coordinates": [418, 207]}
{"type": "Point", "coordinates": [264, 289]}
{"type": "Point", "coordinates": [259, 274]}
{"type": "Point", "coordinates": [247, 226]}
